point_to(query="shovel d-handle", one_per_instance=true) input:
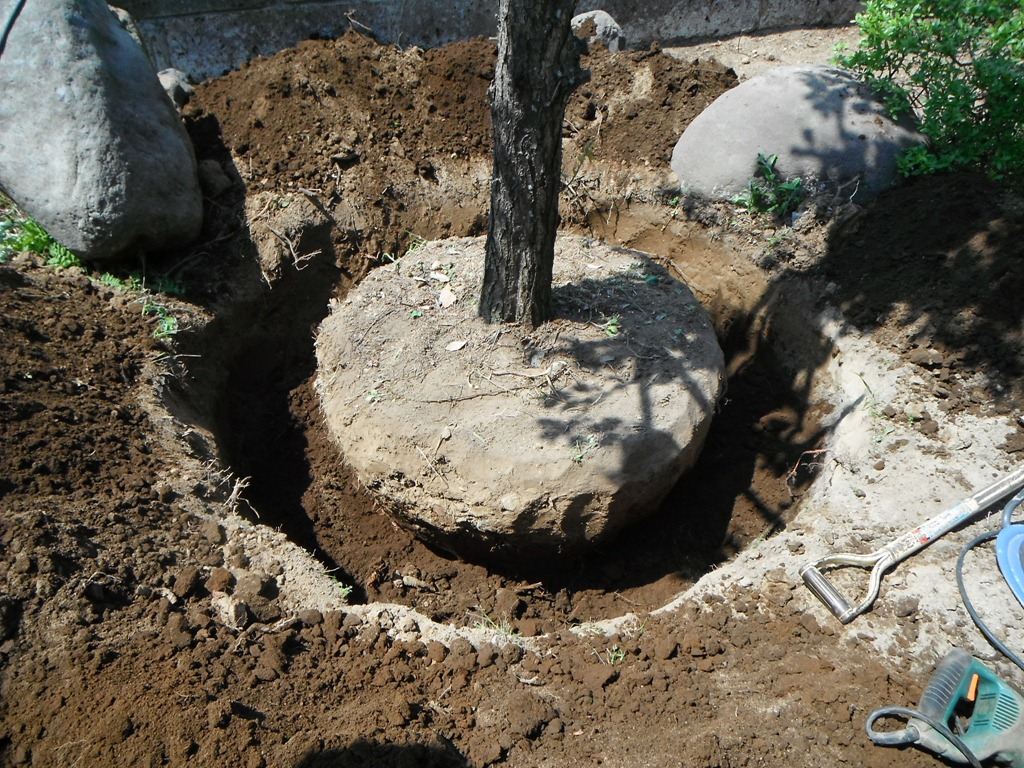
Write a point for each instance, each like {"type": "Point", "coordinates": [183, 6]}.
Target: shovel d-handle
{"type": "Point", "coordinates": [900, 548]}
{"type": "Point", "coordinates": [840, 606]}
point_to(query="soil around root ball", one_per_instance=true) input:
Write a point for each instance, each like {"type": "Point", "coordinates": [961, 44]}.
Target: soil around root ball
{"type": "Point", "coordinates": [132, 468]}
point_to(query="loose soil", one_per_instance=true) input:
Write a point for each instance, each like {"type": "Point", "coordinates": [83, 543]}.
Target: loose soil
{"type": "Point", "coordinates": [154, 609]}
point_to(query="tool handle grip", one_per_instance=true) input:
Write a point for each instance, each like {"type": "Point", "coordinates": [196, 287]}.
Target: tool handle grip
{"type": "Point", "coordinates": [940, 696]}
{"type": "Point", "coordinates": [924, 534]}
{"type": "Point", "coordinates": [928, 531]}
{"type": "Point", "coordinates": [826, 591]}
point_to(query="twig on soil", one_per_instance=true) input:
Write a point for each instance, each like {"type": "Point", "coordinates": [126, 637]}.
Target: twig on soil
{"type": "Point", "coordinates": [549, 374]}
{"type": "Point", "coordinates": [355, 23]}
{"type": "Point", "coordinates": [265, 209]}
{"type": "Point", "coordinates": [319, 205]}
{"type": "Point", "coordinates": [366, 331]}
{"type": "Point", "coordinates": [431, 465]}
{"type": "Point", "coordinates": [476, 396]}
{"type": "Point", "coordinates": [241, 483]}
{"type": "Point", "coordinates": [535, 680]}
{"type": "Point", "coordinates": [791, 475]}
{"type": "Point", "coordinates": [299, 262]}
{"type": "Point", "coordinates": [626, 599]}
{"type": "Point", "coordinates": [530, 587]}
{"type": "Point", "coordinates": [253, 629]}
{"type": "Point", "coordinates": [689, 283]}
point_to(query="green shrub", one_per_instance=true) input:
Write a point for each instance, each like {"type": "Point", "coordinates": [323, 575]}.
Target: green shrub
{"type": "Point", "coordinates": [958, 65]}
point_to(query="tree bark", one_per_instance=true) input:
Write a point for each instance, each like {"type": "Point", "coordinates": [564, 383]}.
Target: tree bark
{"type": "Point", "coordinates": [538, 69]}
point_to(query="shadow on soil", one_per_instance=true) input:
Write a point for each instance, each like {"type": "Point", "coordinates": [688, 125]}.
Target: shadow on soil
{"type": "Point", "coordinates": [759, 457]}
{"type": "Point", "coordinates": [368, 754]}
{"type": "Point", "coordinates": [952, 278]}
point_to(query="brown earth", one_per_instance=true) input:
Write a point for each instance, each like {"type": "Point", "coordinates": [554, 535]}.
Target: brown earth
{"type": "Point", "coordinates": [122, 453]}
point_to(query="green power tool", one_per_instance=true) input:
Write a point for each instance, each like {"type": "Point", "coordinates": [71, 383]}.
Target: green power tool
{"type": "Point", "coordinates": [967, 714]}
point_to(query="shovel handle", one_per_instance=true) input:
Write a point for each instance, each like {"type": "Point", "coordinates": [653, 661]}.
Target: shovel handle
{"type": "Point", "coordinates": [900, 548]}
{"type": "Point", "coordinates": [826, 591]}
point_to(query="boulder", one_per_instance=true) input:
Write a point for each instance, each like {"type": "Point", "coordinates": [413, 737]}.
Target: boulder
{"type": "Point", "coordinates": [502, 441]}
{"type": "Point", "coordinates": [90, 145]}
{"type": "Point", "coordinates": [599, 27]}
{"type": "Point", "coordinates": [823, 124]}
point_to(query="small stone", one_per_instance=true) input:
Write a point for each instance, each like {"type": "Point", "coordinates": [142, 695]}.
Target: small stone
{"type": "Point", "coordinates": [436, 652]}
{"type": "Point", "coordinates": [164, 492]}
{"type": "Point", "coordinates": [229, 610]}
{"type": "Point", "coordinates": [407, 624]}
{"type": "Point", "coordinates": [220, 580]}
{"type": "Point", "coordinates": [22, 563]}
{"type": "Point", "coordinates": [263, 610]}
{"type": "Point", "coordinates": [508, 603]}
{"type": "Point", "coordinates": [218, 714]}
{"type": "Point", "coordinates": [177, 631]}
{"type": "Point", "coordinates": [486, 655]}
{"type": "Point", "coordinates": [213, 179]}
{"type": "Point", "coordinates": [665, 648]}
{"type": "Point", "coordinates": [187, 582]}
{"type": "Point", "coordinates": [598, 676]}
{"type": "Point", "coordinates": [511, 653]}
{"type": "Point", "coordinates": [599, 27]}
{"type": "Point", "coordinates": [213, 531]}
{"type": "Point", "coordinates": [177, 87]}
{"type": "Point", "coordinates": [264, 673]}
{"type": "Point", "coordinates": [906, 606]}
{"type": "Point", "coordinates": [257, 584]}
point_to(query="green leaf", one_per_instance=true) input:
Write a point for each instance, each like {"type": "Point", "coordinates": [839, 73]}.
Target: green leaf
{"type": "Point", "coordinates": [958, 65]}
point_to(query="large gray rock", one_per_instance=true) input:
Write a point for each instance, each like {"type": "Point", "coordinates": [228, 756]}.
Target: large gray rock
{"type": "Point", "coordinates": [499, 440]}
{"type": "Point", "coordinates": [90, 145]}
{"type": "Point", "coordinates": [599, 27]}
{"type": "Point", "coordinates": [821, 122]}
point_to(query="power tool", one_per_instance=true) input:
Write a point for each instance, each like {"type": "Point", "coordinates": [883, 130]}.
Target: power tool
{"type": "Point", "coordinates": [967, 714]}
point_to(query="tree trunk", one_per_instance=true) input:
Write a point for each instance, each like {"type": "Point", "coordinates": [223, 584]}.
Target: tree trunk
{"type": "Point", "coordinates": [538, 69]}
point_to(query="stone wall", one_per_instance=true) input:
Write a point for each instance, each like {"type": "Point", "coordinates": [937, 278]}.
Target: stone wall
{"type": "Point", "coordinates": [208, 37]}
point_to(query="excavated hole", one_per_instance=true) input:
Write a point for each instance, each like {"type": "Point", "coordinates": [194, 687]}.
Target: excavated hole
{"type": "Point", "coordinates": [753, 469]}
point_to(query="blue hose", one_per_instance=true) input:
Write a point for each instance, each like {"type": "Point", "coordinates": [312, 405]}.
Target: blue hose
{"type": "Point", "coordinates": [996, 643]}
{"type": "Point", "coordinates": [9, 24]}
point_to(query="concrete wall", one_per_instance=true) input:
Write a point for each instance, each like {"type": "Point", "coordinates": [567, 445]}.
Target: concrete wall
{"type": "Point", "coordinates": [208, 37]}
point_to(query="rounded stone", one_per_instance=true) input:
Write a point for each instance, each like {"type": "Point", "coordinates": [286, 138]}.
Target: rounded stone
{"type": "Point", "coordinates": [599, 27]}
{"type": "Point", "coordinates": [821, 122]}
{"type": "Point", "coordinates": [90, 145]}
{"type": "Point", "coordinates": [492, 439]}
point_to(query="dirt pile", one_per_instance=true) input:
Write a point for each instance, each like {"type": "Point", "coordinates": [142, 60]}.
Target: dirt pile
{"type": "Point", "coordinates": [122, 527]}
